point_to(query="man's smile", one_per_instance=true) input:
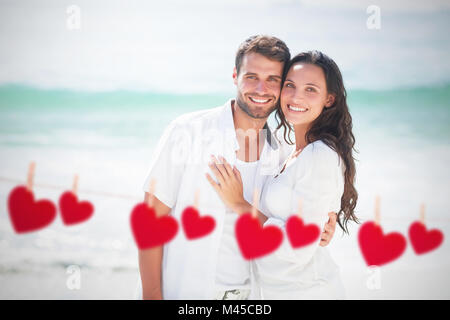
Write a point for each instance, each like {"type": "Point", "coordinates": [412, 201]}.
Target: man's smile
{"type": "Point", "coordinates": [260, 101]}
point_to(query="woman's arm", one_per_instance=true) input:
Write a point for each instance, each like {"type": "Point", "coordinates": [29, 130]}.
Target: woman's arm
{"type": "Point", "coordinates": [246, 207]}
{"type": "Point", "coordinates": [230, 190]}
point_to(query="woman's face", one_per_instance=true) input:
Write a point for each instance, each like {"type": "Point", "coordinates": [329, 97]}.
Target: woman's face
{"type": "Point", "coordinates": [304, 94]}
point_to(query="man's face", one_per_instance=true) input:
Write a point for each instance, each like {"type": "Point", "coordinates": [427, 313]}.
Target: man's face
{"type": "Point", "coordinates": [258, 85]}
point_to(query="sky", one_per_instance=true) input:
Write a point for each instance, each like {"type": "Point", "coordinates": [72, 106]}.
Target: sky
{"type": "Point", "coordinates": [189, 46]}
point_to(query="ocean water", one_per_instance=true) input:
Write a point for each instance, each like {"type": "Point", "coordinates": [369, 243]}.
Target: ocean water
{"type": "Point", "coordinates": [107, 138]}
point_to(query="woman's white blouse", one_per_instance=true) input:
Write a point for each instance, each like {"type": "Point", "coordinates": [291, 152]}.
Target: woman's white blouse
{"type": "Point", "coordinates": [315, 177]}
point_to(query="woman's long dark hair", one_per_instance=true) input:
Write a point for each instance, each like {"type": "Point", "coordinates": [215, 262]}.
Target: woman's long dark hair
{"type": "Point", "coordinates": [333, 126]}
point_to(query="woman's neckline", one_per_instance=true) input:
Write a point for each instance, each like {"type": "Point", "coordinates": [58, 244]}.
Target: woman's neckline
{"type": "Point", "coordinates": [290, 159]}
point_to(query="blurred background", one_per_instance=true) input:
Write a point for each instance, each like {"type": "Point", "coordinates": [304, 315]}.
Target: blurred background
{"type": "Point", "coordinates": [88, 87]}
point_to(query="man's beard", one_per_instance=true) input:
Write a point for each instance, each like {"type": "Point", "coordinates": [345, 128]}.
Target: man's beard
{"type": "Point", "coordinates": [245, 107]}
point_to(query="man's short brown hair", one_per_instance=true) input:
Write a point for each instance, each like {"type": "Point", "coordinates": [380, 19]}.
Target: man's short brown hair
{"type": "Point", "coordinates": [270, 47]}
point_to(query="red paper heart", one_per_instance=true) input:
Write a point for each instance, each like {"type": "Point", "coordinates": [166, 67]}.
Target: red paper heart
{"type": "Point", "coordinates": [26, 214]}
{"type": "Point", "coordinates": [299, 234]}
{"type": "Point", "coordinates": [422, 240]}
{"type": "Point", "coordinates": [195, 226]}
{"type": "Point", "coordinates": [72, 211]}
{"type": "Point", "coordinates": [148, 229]}
{"type": "Point", "coordinates": [254, 240]}
{"type": "Point", "coordinates": [378, 249]}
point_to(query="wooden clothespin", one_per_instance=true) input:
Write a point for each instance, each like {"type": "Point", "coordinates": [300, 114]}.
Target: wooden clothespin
{"type": "Point", "coordinates": [75, 185]}
{"type": "Point", "coordinates": [377, 210]}
{"type": "Point", "coordinates": [150, 200]}
{"type": "Point", "coordinates": [255, 203]}
{"type": "Point", "coordinates": [30, 177]}
{"type": "Point", "coordinates": [422, 213]}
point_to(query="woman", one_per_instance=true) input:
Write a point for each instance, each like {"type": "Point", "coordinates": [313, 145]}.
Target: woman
{"type": "Point", "coordinates": [320, 172]}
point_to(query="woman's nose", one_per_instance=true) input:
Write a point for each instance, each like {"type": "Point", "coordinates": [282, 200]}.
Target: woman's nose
{"type": "Point", "coordinates": [297, 97]}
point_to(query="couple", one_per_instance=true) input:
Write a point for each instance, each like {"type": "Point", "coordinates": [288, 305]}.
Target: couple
{"type": "Point", "coordinates": [224, 154]}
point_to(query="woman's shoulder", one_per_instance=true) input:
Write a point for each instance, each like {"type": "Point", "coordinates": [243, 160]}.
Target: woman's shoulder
{"type": "Point", "coordinates": [319, 152]}
{"type": "Point", "coordinates": [316, 156]}
{"type": "Point", "coordinates": [319, 163]}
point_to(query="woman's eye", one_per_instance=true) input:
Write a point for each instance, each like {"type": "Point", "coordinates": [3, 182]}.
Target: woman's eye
{"type": "Point", "coordinates": [310, 89]}
{"type": "Point", "coordinates": [289, 85]}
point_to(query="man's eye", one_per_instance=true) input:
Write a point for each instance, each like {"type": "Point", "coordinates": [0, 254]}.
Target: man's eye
{"type": "Point", "coordinates": [273, 79]}
{"type": "Point", "coordinates": [251, 77]}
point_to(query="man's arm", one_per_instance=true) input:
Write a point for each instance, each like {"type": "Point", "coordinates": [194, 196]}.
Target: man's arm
{"type": "Point", "coordinates": [150, 260]}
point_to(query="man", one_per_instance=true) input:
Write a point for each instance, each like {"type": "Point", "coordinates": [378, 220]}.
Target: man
{"type": "Point", "coordinates": [212, 267]}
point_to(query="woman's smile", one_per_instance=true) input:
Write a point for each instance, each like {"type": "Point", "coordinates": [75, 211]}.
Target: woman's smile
{"type": "Point", "coordinates": [293, 108]}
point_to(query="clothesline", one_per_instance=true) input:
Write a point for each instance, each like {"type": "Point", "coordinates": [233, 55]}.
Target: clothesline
{"type": "Point", "coordinates": [96, 193]}
{"type": "Point", "coordinates": [139, 199]}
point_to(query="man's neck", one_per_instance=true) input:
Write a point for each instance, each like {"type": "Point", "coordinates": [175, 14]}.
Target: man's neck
{"type": "Point", "coordinates": [248, 135]}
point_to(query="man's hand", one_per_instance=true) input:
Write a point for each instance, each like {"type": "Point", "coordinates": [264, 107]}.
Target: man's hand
{"type": "Point", "coordinates": [328, 230]}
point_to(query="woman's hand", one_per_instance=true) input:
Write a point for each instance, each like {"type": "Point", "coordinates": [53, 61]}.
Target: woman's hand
{"type": "Point", "coordinates": [230, 188]}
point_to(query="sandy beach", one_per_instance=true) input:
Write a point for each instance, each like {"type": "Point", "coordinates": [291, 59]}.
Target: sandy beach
{"type": "Point", "coordinates": [411, 277]}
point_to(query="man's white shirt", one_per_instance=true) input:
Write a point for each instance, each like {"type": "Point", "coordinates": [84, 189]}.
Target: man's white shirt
{"type": "Point", "coordinates": [179, 165]}
{"type": "Point", "coordinates": [233, 271]}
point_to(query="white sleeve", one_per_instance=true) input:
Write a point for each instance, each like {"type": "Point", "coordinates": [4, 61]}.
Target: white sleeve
{"type": "Point", "coordinates": [166, 168]}
{"type": "Point", "coordinates": [319, 183]}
